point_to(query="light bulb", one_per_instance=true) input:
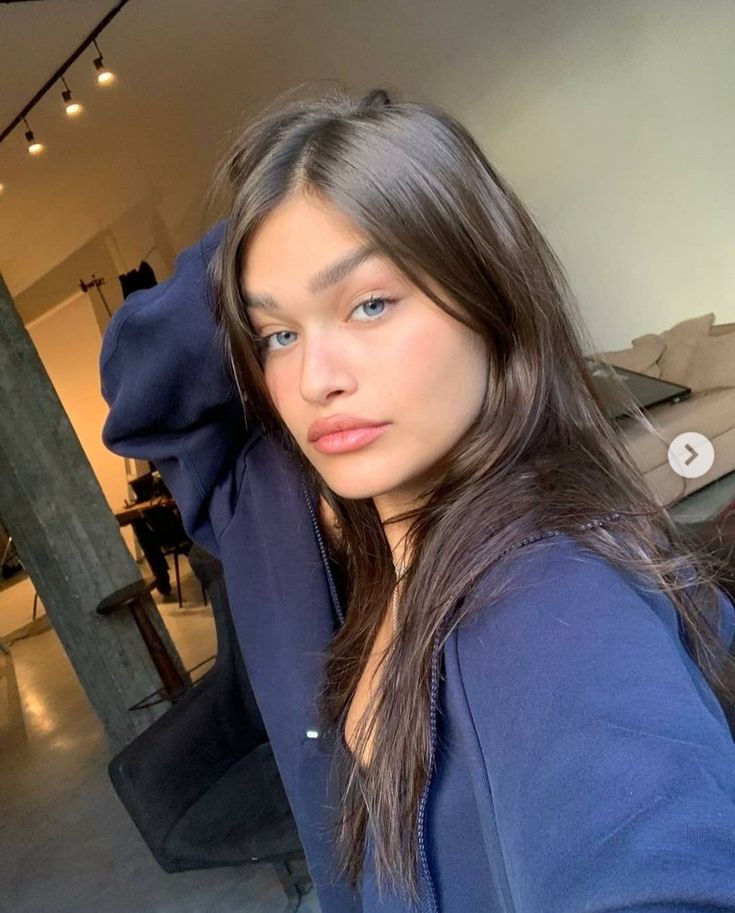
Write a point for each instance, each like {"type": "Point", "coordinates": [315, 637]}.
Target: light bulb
{"type": "Point", "coordinates": [73, 108]}
{"type": "Point", "coordinates": [34, 147]}
{"type": "Point", "coordinates": [104, 76]}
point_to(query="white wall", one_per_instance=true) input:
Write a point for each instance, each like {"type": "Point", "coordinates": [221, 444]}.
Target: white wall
{"type": "Point", "coordinates": [620, 136]}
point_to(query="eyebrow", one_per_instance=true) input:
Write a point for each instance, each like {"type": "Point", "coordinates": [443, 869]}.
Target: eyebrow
{"type": "Point", "coordinates": [325, 278]}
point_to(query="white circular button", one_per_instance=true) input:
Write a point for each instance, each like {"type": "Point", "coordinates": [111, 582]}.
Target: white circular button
{"type": "Point", "coordinates": [691, 454]}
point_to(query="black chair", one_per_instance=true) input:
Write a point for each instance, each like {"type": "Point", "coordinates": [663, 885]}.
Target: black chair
{"type": "Point", "coordinates": [201, 783]}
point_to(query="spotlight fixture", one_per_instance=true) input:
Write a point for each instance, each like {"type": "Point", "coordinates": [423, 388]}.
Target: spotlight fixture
{"type": "Point", "coordinates": [34, 147]}
{"type": "Point", "coordinates": [73, 108]}
{"type": "Point", "coordinates": [104, 76]}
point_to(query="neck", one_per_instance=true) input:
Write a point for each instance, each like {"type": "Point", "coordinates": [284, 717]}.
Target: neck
{"type": "Point", "coordinates": [396, 534]}
{"type": "Point", "coordinates": [406, 497]}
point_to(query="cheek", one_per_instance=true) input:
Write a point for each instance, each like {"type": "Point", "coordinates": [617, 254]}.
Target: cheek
{"type": "Point", "coordinates": [428, 360]}
{"type": "Point", "coordinates": [281, 388]}
{"type": "Point", "coordinates": [415, 359]}
{"type": "Point", "coordinates": [443, 382]}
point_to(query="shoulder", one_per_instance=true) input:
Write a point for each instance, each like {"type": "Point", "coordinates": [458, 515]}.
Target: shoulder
{"type": "Point", "coordinates": [585, 721]}
{"type": "Point", "coordinates": [559, 583]}
{"type": "Point", "coordinates": [572, 630]}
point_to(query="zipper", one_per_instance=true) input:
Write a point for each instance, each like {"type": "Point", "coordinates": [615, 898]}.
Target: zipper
{"type": "Point", "coordinates": [433, 906]}
{"type": "Point", "coordinates": [330, 580]}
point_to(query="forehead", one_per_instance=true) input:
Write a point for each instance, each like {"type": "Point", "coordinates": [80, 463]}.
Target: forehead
{"type": "Point", "coordinates": [305, 246]}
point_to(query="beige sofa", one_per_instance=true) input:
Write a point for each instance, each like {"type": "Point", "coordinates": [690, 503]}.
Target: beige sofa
{"type": "Point", "coordinates": [698, 354]}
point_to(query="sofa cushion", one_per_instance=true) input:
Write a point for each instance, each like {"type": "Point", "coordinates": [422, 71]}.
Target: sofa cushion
{"type": "Point", "coordinates": [642, 356]}
{"type": "Point", "coordinates": [713, 363]}
{"type": "Point", "coordinates": [711, 414]}
{"type": "Point", "coordinates": [681, 340]}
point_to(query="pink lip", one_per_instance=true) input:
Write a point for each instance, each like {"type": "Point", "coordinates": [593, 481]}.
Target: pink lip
{"type": "Point", "coordinates": [347, 441]}
{"type": "Point", "coordinates": [338, 422]}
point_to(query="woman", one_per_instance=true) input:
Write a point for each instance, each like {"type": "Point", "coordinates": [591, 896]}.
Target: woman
{"type": "Point", "coordinates": [510, 699]}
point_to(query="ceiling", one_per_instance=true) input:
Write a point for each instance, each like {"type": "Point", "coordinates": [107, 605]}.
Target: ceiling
{"type": "Point", "coordinates": [172, 103]}
{"type": "Point", "coordinates": [189, 72]}
{"type": "Point", "coordinates": [35, 38]}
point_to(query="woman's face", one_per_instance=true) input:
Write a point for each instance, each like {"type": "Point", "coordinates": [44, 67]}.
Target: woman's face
{"type": "Point", "coordinates": [363, 342]}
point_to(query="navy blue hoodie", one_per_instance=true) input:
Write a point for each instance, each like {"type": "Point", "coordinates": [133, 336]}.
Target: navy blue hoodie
{"type": "Point", "coordinates": [581, 761]}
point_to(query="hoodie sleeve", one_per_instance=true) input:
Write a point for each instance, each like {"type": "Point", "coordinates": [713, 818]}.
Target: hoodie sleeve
{"type": "Point", "coordinates": [604, 765]}
{"type": "Point", "coordinates": [171, 394]}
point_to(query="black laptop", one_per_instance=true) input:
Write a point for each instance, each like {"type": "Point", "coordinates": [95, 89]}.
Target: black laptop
{"type": "Point", "coordinates": [647, 391]}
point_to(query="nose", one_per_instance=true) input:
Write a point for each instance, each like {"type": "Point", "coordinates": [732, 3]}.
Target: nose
{"type": "Point", "coordinates": [325, 368]}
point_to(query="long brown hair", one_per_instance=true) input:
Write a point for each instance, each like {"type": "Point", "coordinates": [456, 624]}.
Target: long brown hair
{"type": "Point", "coordinates": [542, 454]}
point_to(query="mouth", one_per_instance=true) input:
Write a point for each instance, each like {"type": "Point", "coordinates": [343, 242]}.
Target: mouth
{"type": "Point", "coordinates": [347, 441]}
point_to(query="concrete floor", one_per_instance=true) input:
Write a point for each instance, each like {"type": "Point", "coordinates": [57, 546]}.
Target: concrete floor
{"type": "Point", "coordinates": [66, 842]}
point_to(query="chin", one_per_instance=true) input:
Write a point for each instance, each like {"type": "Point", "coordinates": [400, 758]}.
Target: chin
{"type": "Point", "coordinates": [353, 488]}
{"type": "Point", "coordinates": [352, 492]}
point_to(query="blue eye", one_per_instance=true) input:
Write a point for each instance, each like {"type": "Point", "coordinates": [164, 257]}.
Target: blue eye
{"type": "Point", "coordinates": [262, 342]}
{"type": "Point", "coordinates": [375, 300]}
